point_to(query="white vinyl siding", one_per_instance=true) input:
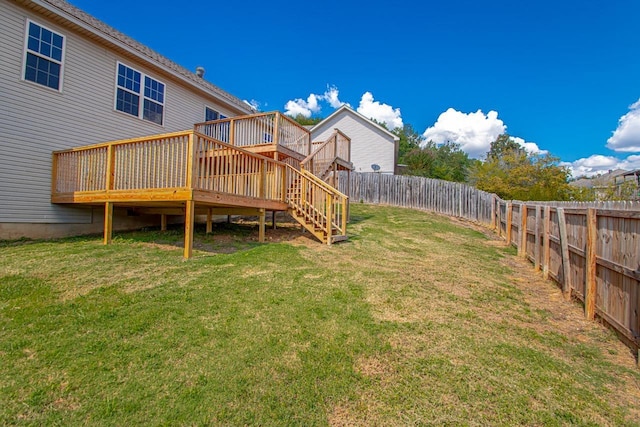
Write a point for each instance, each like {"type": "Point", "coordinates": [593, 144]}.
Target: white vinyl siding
{"type": "Point", "coordinates": [36, 120]}
{"type": "Point", "coordinates": [369, 144]}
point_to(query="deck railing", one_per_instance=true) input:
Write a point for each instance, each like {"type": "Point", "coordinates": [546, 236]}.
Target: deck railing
{"type": "Point", "coordinates": [224, 168]}
{"type": "Point", "coordinates": [152, 162]}
{"type": "Point", "coordinates": [338, 145]}
{"type": "Point", "coordinates": [259, 129]}
{"type": "Point", "coordinates": [182, 160]}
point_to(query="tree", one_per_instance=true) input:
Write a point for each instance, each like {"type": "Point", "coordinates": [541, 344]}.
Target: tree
{"type": "Point", "coordinates": [447, 162]}
{"type": "Point", "coordinates": [409, 140]}
{"type": "Point", "coordinates": [306, 121]}
{"type": "Point", "coordinates": [512, 173]}
{"type": "Point", "coordinates": [504, 145]}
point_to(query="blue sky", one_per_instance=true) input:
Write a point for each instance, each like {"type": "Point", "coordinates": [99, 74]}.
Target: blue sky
{"type": "Point", "coordinates": [561, 76]}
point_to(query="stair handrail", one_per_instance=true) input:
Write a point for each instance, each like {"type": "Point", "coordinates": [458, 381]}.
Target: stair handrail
{"type": "Point", "coordinates": [329, 213]}
{"type": "Point", "coordinates": [325, 186]}
{"type": "Point", "coordinates": [333, 142]}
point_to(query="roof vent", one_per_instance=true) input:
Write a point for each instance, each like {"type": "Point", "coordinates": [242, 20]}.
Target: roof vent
{"type": "Point", "coordinates": [200, 72]}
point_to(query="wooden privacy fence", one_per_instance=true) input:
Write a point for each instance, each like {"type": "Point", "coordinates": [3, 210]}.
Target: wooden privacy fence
{"type": "Point", "coordinates": [592, 253]}
{"type": "Point", "coordinates": [591, 249]}
{"type": "Point", "coordinates": [448, 198]}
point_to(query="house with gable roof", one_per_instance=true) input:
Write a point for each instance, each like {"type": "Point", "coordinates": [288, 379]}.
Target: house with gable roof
{"type": "Point", "coordinates": [67, 79]}
{"type": "Point", "coordinates": [373, 148]}
{"type": "Point", "coordinates": [99, 132]}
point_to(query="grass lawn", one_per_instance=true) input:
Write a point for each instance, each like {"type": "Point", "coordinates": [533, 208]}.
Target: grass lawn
{"type": "Point", "coordinates": [416, 320]}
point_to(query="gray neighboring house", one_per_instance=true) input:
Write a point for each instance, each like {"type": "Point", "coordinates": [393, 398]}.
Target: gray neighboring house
{"type": "Point", "coordinates": [67, 79]}
{"type": "Point", "coordinates": [601, 184]}
{"type": "Point", "coordinates": [371, 144]}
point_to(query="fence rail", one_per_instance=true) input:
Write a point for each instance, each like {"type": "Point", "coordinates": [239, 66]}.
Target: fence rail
{"type": "Point", "coordinates": [591, 249]}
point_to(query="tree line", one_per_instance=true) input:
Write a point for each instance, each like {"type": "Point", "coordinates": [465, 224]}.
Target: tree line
{"type": "Point", "coordinates": [507, 170]}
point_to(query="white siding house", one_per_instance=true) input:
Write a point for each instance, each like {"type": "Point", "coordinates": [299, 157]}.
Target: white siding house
{"type": "Point", "coordinates": [373, 148]}
{"type": "Point", "coordinates": [67, 79]}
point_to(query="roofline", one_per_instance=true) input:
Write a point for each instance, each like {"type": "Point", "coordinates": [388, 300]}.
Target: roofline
{"type": "Point", "coordinates": [109, 35]}
{"type": "Point", "coordinates": [351, 110]}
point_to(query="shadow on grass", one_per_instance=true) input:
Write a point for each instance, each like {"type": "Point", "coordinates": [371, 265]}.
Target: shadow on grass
{"type": "Point", "coordinates": [225, 238]}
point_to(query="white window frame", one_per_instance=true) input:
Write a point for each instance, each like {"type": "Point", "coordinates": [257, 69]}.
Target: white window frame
{"type": "Point", "coordinates": [141, 95]}
{"type": "Point", "coordinates": [26, 51]}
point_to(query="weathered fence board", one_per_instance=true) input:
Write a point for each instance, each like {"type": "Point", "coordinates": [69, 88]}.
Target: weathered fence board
{"type": "Point", "coordinates": [603, 268]}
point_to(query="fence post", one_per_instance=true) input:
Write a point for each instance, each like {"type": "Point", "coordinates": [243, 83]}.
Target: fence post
{"type": "Point", "coordinates": [536, 251]}
{"type": "Point", "coordinates": [494, 218]}
{"type": "Point", "coordinates": [522, 250]}
{"type": "Point", "coordinates": [590, 285]}
{"type": "Point", "coordinates": [564, 244]}
{"type": "Point", "coordinates": [509, 220]}
{"type": "Point", "coordinates": [546, 250]}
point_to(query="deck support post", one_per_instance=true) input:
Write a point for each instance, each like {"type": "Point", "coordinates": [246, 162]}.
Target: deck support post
{"type": "Point", "coordinates": [209, 221]}
{"type": "Point", "coordinates": [262, 225]}
{"type": "Point", "coordinates": [188, 228]}
{"type": "Point", "coordinates": [108, 222]}
{"type": "Point", "coordinates": [163, 222]}
{"type": "Point", "coordinates": [273, 219]}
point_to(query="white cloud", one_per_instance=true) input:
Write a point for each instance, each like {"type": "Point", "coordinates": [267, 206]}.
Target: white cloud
{"type": "Point", "coordinates": [300, 106]}
{"type": "Point", "coordinates": [626, 137]}
{"type": "Point", "coordinates": [331, 96]}
{"type": "Point", "coordinates": [598, 164]}
{"type": "Point", "coordinates": [530, 147]}
{"type": "Point", "coordinates": [312, 105]}
{"type": "Point", "coordinates": [381, 112]}
{"type": "Point", "coordinates": [474, 132]}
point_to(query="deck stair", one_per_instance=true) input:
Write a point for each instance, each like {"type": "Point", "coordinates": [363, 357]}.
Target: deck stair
{"type": "Point", "coordinates": [318, 207]}
{"type": "Point", "coordinates": [244, 165]}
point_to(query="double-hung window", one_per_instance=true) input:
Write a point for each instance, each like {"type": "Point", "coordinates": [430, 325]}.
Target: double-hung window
{"type": "Point", "coordinates": [139, 95]}
{"type": "Point", "coordinates": [44, 53]}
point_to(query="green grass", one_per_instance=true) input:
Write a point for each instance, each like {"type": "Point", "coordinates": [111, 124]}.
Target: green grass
{"type": "Point", "coordinates": [413, 321]}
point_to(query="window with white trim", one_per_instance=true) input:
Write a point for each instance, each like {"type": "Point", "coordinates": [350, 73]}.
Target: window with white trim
{"type": "Point", "coordinates": [44, 53]}
{"type": "Point", "coordinates": [139, 95]}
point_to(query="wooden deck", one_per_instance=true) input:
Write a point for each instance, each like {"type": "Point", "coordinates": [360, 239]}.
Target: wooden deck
{"type": "Point", "coordinates": [213, 168]}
